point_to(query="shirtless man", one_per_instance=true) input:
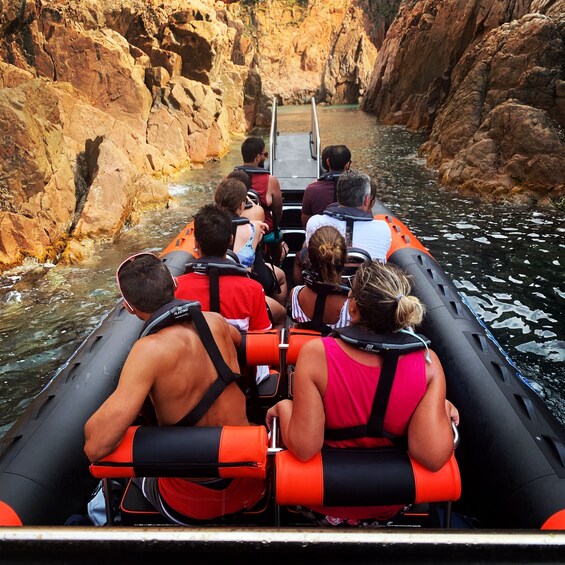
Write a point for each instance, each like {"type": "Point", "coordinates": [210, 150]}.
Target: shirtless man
{"type": "Point", "coordinates": [173, 369]}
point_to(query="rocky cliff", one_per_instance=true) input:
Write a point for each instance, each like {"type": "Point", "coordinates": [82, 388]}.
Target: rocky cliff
{"type": "Point", "coordinates": [100, 103]}
{"type": "Point", "coordinates": [321, 48]}
{"type": "Point", "coordinates": [486, 78]}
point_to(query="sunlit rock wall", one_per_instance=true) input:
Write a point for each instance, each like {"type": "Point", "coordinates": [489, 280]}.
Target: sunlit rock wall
{"type": "Point", "coordinates": [100, 103]}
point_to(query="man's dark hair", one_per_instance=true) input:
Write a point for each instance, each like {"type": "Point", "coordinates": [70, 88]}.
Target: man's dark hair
{"type": "Point", "coordinates": [326, 151]}
{"type": "Point", "coordinates": [251, 147]}
{"type": "Point", "coordinates": [339, 157]}
{"type": "Point", "coordinates": [241, 176]}
{"type": "Point", "coordinates": [146, 283]}
{"type": "Point", "coordinates": [212, 230]}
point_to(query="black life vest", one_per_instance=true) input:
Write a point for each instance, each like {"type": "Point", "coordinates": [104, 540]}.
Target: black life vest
{"type": "Point", "coordinates": [178, 311]}
{"type": "Point", "coordinates": [215, 267]}
{"type": "Point", "coordinates": [349, 216]}
{"type": "Point", "coordinates": [251, 170]}
{"type": "Point", "coordinates": [322, 290]}
{"type": "Point", "coordinates": [390, 346]}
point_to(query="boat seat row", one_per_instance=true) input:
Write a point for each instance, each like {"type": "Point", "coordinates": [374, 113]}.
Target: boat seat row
{"type": "Point", "coordinates": [334, 477]}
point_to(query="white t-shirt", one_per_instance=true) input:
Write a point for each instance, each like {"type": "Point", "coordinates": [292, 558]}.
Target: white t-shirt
{"type": "Point", "coordinates": [374, 237]}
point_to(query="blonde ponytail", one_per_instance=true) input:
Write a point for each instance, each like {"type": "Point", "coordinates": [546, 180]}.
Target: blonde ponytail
{"type": "Point", "coordinates": [384, 299]}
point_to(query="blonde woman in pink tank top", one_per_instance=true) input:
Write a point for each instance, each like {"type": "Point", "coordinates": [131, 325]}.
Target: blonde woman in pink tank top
{"type": "Point", "coordinates": [335, 383]}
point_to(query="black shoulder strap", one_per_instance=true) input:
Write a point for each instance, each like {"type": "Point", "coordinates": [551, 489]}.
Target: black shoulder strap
{"type": "Point", "coordinates": [237, 221]}
{"type": "Point", "coordinates": [225, 375]}
{"type": "Point", "coordinates": [215, 267]}
{"type": "Point", "coordinates": [214, 278]}
{"type": "Point", "coordinates": [375, 424]}
{"type": "Point", "coordinates": [391, 346]}
{"type": "Point", "coordinates": [349, 216]}
{"type": "Point", "coordinates": [334, 177]}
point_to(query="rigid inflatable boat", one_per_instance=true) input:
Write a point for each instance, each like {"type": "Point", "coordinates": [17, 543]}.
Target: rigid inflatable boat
{"type": "Point", "coordinates": [511, 455]}
{"type": "Point", "coordinates": [508, 472]}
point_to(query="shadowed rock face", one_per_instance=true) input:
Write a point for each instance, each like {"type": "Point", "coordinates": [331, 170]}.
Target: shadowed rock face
{"type": "Point", "coordinates": [100, 103]}
{"type": "Point", "coordinates": [486, 78]}
{"type": "Point", "coordinates": [500, 132]}
{"type": "Point", "coordinates": [103, 100]}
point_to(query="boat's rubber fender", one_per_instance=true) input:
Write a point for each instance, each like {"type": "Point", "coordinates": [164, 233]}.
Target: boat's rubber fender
{"type": "Point", "coordinates": [169, 451]}
{"type": "Point", "coordinates": [44, 475]}
{"type": "Point", "coordinates": [402, 237]}
{"type": "Point", "coordinates": [503, 421]}
{"type": "Point", "coordinates": [183, 242]}
{"type": "Point", "coordinates": [362, 477]}
{"type": "Point", "coordinates": [34, 482]}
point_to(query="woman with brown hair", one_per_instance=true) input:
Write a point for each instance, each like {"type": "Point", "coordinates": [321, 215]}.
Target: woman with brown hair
{"type": "Point", "coordinates": [321, 303]}
{"type": "Point", "coordinates": [231, 194]}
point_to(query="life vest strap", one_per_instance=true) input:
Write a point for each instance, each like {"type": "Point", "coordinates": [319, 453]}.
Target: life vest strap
{"type": "Point", "coordinates": [225, 375]}
{"type": "Point", "coordinates": [214, 267]}
{"type": "Point", "coordinates": [348, 215]}
{"type": "Point", "coordinates": [178, 311]}
{"type": "Point", "coordinates": [390, 346]}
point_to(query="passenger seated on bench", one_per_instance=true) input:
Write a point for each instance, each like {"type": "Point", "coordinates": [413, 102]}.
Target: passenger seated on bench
{"type": "Point", "coordinates": [335, 384]}
{"type": "Point", "coordinates": [352, 216]}
{"type": "Point", "coordinates": [268, 188]}
{"type": "Point", "coordinates": [173, 370]}
{"type": "Point", "coordinates": [253, 210]}
{"type": "Point", "coordinates": [231, 195]}
{"type": "Point", "coordinates": [323, 192]}
{"type": "Point", "coordinates": [321, 304]}
{"type": "Point", "coordinates": [242, 300]}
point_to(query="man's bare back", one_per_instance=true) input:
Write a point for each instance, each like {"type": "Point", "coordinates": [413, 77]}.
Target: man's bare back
{"type": "Point", "coordinates": [173, 368]}
{"type": "Point", "coordinates": [186, 372]}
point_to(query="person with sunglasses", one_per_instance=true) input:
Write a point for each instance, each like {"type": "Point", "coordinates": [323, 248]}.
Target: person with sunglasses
{"type": "Point", "coordinates": [174, 369]}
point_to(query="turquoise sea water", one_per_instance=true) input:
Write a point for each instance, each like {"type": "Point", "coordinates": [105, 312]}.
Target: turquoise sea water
{"type": "Point", "coordinates": [506, 260]}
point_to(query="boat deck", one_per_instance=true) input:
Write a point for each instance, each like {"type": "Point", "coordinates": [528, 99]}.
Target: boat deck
{"type": "Point", "coordinates": [293, 163]}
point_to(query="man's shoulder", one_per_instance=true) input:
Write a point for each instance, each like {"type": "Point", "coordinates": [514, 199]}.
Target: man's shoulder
{"type": "Point", "coordinates": [242, 282]}
{"type": "Point", "coordinates": [317, 220]}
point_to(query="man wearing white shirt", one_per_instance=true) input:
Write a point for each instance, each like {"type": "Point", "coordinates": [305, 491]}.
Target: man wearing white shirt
{"type": "Point", "coordinates": [352, 216]}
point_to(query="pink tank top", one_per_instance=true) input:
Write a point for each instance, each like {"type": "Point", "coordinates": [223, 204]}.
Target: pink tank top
{"type": "Point", "coordinates": [351, 390]}
{"type": "Point", "coordinates": [348, 402]}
